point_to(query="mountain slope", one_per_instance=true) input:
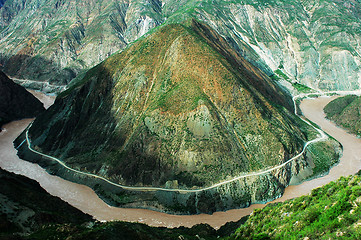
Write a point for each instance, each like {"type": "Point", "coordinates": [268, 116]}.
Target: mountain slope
{"type": "Point", "coordinates": [178, 109]}
{"type": "Point", "coordinates": [16, 102]}
{"type": "Point", "coordinates": [329, 212]}
{"type": "Point", "coordinates": [173, 106]}
{"type": "Point", "coordinates": [26, 207]}
{"type": "Point", "coordinates": [346, 111]}
{"type": "Point", "coordinates": [306, 41]}
{"type": "Point", "coordinates": [54, 40]}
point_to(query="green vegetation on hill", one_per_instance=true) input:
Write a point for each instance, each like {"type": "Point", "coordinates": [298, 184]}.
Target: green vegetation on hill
{"type": "Point", "coordinates": [178, 109]}
{"type": "Point", "coordinates": [185, 94]}
{"type": "Point", "coordinates": [330, 212]}
{"type": "Point", "coordinates": [346, 112]}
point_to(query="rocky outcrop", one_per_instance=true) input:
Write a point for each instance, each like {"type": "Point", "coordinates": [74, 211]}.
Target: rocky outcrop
{"type": "Point", "coordinates": [16, 102]}
{"type": "Point", "coordinates": [177, 109]}
{"type": "Point", "coordinates": [309, 42]}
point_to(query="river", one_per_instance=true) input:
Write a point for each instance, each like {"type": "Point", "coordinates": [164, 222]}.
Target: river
{"type": "Point", "coordinates": [84, 198]}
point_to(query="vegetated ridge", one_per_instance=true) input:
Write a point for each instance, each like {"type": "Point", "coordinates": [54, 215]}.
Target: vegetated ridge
{"type": "Point", "coordinates": [329, 212]}
{"type": "Point", "coordinates": [177, 109]}
{"type": "Point", "coordinates": [346, 112]}
{"type": "Point", "coordinates": [298, 42]}
{"type": "Point", "coordinates": [16, 102]}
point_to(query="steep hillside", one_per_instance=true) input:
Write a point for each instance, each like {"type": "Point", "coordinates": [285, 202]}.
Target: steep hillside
{"type": "Point", "coordinates": [26, 207]}
{"type": "Point", "coordinates": [16, 102]}
{"type": "Point", "coordinates": [316, 43]}
{"type": "Point", "coordinates": [346, 112]}
{"type": "Point", "coordinates": [178, 109]}
{"type": "Point", "coordinates": [330, 212]}
{"type": "Point", "coordinates": [171, 107]}
{"type": "Point", "coordinates": [54, 40]}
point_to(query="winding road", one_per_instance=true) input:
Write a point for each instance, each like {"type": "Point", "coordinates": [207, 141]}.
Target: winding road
{"type": "Point", "coordinates": [86, 200]}
{"type": "Point", "coordinates": [322, 136]}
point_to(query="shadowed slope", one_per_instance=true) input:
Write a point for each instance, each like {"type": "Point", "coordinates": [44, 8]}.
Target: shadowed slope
{"type": "Point", "coordinates": [16, 102]}
{"type": "Point", "coordinates": [179, 107]}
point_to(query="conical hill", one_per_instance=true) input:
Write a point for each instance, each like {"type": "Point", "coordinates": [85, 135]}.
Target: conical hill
{"type": "Point", "coordinates": [177, 107]}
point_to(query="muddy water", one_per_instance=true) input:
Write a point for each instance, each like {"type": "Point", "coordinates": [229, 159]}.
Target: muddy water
{"type": "Point", "coordinates": [85, 199]}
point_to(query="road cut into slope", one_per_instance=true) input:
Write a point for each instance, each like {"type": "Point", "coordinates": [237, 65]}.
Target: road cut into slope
{"type": "Point", "coordinates": [85, 199]}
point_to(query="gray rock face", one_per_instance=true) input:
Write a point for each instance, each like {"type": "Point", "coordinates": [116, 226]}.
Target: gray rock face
{"type": "Point", "coordinates": [311, 42]}
{"type": "Point", "coordinates": [55, 40]}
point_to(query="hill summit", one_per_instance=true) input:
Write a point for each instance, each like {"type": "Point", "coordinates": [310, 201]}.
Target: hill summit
{"type": "Point", "coordinates": [178, 105]}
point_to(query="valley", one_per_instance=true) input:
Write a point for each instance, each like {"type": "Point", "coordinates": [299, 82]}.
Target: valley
{"type": "Point", "coordinates": [159, 119]}
{"type": "Point", "coordinates": [314, 43]}
{"type": "Point", "coordinates": [86, 200]}
{"type": "Point", "coordinates": [177, 110]}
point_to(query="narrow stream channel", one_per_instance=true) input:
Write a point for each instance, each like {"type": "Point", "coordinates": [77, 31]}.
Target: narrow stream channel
{"type": "Point", "coordinates": [84, 198]}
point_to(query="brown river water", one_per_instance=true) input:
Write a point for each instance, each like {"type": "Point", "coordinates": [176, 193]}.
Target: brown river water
{"type": "Point", "coordinates": [84, 198]}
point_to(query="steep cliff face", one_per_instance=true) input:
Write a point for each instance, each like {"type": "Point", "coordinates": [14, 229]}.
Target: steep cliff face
{"type": "Point", "coordinates": [179, 105]}
{"type": "Point", "coordinates": [54, 40]}
{"type": "Point", "coordinates": [316, 43]}
{"type": "Point", "coordinates": [16, 102]}
{"type": "Point", "coordinates": [26, 206]}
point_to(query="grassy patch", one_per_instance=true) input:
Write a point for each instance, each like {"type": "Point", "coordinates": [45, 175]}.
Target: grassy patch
{"type": "Point", "coordinates": [328, 212]}
{"type": "Point", "coordinates": [302, 88]}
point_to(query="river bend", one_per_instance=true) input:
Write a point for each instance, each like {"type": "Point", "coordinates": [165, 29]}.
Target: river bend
{"type": "Point", "coordinates": [85, 199]}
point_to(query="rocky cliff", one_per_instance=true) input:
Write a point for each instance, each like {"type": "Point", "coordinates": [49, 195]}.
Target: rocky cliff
{"type": "Point", "coordinates": [316, 43]}
{"type": "Point", "coordinates": [177, 109]}
{"type": "Point", "coordinates": [16, 102]}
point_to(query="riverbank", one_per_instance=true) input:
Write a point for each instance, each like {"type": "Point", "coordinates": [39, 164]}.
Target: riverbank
{"type": "Point", "coordinates": [86, 200]}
